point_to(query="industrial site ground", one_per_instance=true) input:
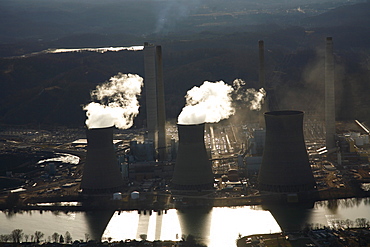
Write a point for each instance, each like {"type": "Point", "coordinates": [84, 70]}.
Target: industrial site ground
{"type": "Point", "coordinates": [36, 189]}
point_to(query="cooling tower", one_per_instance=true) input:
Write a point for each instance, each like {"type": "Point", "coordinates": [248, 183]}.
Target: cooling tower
{"type": "Point", "coordinates": [193, 169]}
{"type": "Point", "coordinates": [285, 166]}
{"type": "Point", "coordinates": [101, 172]}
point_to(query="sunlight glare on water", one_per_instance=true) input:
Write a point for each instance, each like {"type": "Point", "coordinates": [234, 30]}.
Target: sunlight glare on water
{"type": "Point", "coordinates": [222, 229]}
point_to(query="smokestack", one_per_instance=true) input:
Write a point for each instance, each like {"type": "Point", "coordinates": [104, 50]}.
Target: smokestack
{"type": "Point", "coordinates": [285, 166]}
{"type": "Point", "coordinates": [155, 103]}
{"type": "Point", "coordinates": [101, 172]}
{"type": "Point", "coordinates": [261, 75]}
{"type": "Point", "coordinates": [329, 95]}
{"type": "Point", "coordinates": [161, 107]}
{"type": "Point", "coordinates": [193, 169]}
{"type": "Point", "coordinates": [150, 83]}
{"type": "Point", "coordinates": [261, 52]}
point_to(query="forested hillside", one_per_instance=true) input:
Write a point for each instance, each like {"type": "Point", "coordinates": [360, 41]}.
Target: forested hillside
{"type": "Point", "coordinates": [50, 89]}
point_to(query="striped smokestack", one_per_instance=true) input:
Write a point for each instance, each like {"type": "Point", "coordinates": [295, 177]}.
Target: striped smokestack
{"type": "Point", "coordinates": [329, 95]}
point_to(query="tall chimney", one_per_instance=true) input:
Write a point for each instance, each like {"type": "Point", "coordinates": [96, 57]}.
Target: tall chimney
{"type": "Point", "coordinates": [285, 166]}
{"type": "Point", "coordinates": [261, 76]}
{"type": "Point", "coordinates": [193, 169]}
{"type": "Point", "coordinates": [150, 84]}
{"type": "Point", "coordinates": [329, 95]}
{"type": "Point", "coordinates": [155, 103]}
{"type": "Point", "coordinates": [261, 52]}
{"type": "Point", "coordinates": [162, 145]}
{"type": "Point", "coordinates": [101, 173]}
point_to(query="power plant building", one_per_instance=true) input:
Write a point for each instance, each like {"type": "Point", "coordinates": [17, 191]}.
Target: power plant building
{"type": "Point", "coordinates": [101, 173]}
{"type": "Point", "coordinates": [285, 165]}
{"type": "Point", "coordinates": [193, 169]}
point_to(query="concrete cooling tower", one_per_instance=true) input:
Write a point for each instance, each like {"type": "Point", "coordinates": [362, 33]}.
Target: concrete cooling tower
{"type": "Point", "coordinates": [193, 169]}
{"type": "Point", "coordinates": [101, 172]}
{"type": "Point", "coordinates": [285, 166]}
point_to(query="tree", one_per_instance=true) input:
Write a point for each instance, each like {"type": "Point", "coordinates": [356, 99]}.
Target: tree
{"type": "Point", "coordinates": [68, 237]}
{"type": "Point", "coordinates": [361, 222]}
{"type": "Point", "coordinates": [5, 237]}
{"type": "Point", "coordinates": [17, 235]}
{"type": "Point", "coordinates": [61, 239]}
{"type": "Point", "coordinates": [26, 236]}
{"type": "Point", "coordinates": [38, 236]}
{"type": "Point", "coordinates": [12, 200]}
{"type": "Point", "coordinates": [55, 237]}
{"type": "Point", "coordinates": [87, 237]}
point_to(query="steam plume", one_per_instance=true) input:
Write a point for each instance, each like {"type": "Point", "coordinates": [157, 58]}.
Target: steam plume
{"type": "Point", "coordinates": [249, 97]}
{"type": "Point", "coordinates": [215, 101]}
{"type": "Point", "coordinates": [115, 102]}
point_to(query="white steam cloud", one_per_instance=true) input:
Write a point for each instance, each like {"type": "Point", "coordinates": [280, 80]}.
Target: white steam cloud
{"type": "Point", "coordinates": [215, 101]}
{"type": "Point", "coordinates": [115, 102]}
{"type": "Point", "coordinates": [249, 96]}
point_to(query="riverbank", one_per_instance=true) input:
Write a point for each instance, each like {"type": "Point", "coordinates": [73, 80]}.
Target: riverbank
{"type": "Point", "coordinates": [164, 201]}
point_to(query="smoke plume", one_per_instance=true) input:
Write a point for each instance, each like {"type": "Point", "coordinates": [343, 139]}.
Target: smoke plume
{"type": "Point", "coordinates": [215, 101]}
{"type": "Point", "coordinates": [114, 102]}
{"type": "Point", "coordinates": [248, 97]}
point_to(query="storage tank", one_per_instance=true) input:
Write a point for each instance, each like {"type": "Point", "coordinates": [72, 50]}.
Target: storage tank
{"type": "Point", "coordinates": [101, 173]}
{"type": "Point", "coordinates": [135, 195]}
{"type": "Point", "coordinates": [193, 169]}
{"type": "Point", "coordinates": [285, 166]}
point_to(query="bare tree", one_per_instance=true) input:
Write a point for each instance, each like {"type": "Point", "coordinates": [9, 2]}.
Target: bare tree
{"type": "Point", "coordinates": [361, 222]}
{"type": "Point", "coordinates": [87, 237]}
{"type": "Point", "coordinates": [55, 237]}
{"type": "Point", "coordinates": [38, 236]}
{"type": "Point", "coordinates": [17, 235]}
{"type": "Point", "coordinates": [68, 237]}
{"type": "Point", "coordinates": [26, 236]}
{"type": "Point", "coordinates": [5, 237]}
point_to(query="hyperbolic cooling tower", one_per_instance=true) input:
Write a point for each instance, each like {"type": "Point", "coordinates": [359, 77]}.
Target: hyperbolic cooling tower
{"type": "Point", "coordinates": [193, 169]}
{"type": "Point", "coordinates": [101, 172]}
{"type": "Point", "coordinates": [285, 166]}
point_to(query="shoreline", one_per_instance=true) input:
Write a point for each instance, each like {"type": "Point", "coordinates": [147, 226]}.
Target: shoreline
{"type": "Point", "coordinates": [162, 202]}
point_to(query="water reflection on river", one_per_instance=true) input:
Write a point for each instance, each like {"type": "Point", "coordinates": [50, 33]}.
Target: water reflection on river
{"type": "Point", "coordinates": [216, 226]}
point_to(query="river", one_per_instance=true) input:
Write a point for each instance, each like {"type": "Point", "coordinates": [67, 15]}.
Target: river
{"type": "Point", "coordinates": [215, 226]}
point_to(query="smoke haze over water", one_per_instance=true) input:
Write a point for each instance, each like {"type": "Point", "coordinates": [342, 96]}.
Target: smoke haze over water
{"type": "Point", "coordinates": [215, 101]}
{"type": "Point", "coordinates": [115, 102]}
